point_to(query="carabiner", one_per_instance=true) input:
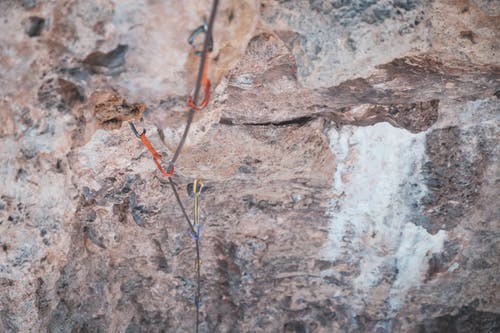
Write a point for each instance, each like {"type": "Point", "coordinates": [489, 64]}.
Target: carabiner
{"type": "Point", "coordinates": [156, 156]}
{"type": "Point", "coordinates": [201, 29]}
{"type": "Point", "coordinates": [196, 234]}
{"type": "Point", "coordinates": [197, 186]}
{"type": "Point", "coordinates": [136, 133]}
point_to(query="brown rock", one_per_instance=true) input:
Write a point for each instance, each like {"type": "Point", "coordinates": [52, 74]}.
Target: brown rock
{"type": "Point", "coordinates": [110, 110]}
{"type": "Point", "coordinates": [349, 155]}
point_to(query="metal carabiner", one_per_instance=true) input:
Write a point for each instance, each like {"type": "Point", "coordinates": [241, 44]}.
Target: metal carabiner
{"type": "Point", "coordinates": [197, 187]}
{"type": "Point", "coordinates": [196, 234]}
{"type": "Point", "coordinates": [201, 29]}
{"type": "Point", "coordinates": [134, 129]}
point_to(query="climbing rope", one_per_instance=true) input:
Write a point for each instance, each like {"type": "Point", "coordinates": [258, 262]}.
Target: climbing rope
{"type": "Point", "coordinates": [202, 78]}
{"type": "Point", "coordinates": [201, 81]}
{"type": "Point", "coordinates": [195, 231]}
{"type": "Point", "coordinates": [197, 186]}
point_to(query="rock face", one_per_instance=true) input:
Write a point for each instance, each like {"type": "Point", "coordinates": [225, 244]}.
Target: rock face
{"type": "Point", "coordinates": [350, 156]}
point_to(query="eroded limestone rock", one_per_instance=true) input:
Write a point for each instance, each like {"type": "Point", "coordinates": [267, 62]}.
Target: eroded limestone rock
{"type": "Point", "coordinates": [350, 156]}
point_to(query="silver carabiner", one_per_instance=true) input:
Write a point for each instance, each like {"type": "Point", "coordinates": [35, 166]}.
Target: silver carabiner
{"type": "Point", "coordinates": [201, 29]}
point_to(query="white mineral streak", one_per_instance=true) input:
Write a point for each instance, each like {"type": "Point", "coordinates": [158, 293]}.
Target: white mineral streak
{"type": "Point", "coordinates": [378, 182]}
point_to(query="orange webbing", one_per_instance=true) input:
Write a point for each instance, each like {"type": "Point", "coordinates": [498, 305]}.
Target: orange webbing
{"type": "Point", "coordinates": [205, 82]}
{"type": "Point", "coordinates": [156, 156]}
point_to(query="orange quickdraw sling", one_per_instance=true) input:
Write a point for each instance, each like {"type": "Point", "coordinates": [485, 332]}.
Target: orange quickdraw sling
{"type": "Point", "coordinates": [152, 150]}
{"type": "Point", "coordinates": [205, 82]}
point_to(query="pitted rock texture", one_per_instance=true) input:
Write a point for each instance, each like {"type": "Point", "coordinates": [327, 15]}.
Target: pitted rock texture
{"type": "Point", "coordinates": [349, 154]}
{"type": "Point", "coordinates": [111, 110]}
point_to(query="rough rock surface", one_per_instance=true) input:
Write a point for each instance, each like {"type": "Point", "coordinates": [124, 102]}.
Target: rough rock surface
{"type": "Point", "coordinates": [350, 156]}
